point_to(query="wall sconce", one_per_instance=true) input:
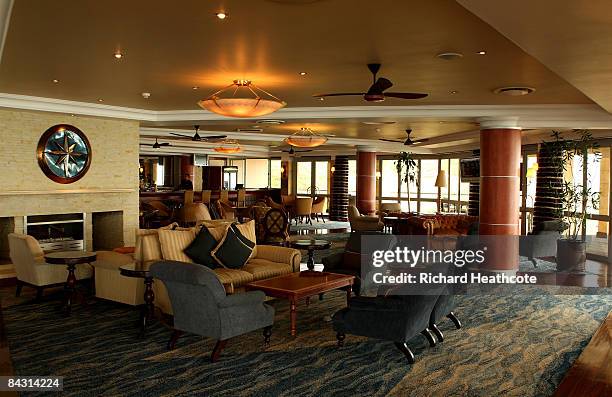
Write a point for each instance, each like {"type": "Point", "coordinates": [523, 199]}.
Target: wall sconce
{"type": "Point", "coordinates": [333, 169]}
{"type": "Point", "coordinates": [282, 170]}
{"type": "Point", "coordinates": [378, 174]}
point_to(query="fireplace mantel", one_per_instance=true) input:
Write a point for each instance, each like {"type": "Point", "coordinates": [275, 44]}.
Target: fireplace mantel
{"type": "Point", "coordinates": [62, 191]}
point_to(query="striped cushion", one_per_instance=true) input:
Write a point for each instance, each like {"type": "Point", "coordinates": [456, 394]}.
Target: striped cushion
{"type": "Point", "coordinates": [233, 276]}
{"type": "Point", "coordinates": [262, 269]}
{"type": "Point", "coordinates": [147, 244]}
{"type": "Point", "coordinates": [173, 242]}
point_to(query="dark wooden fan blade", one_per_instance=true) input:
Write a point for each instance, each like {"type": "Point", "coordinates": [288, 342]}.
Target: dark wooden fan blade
{"type": "Point", "coordinates": [340, 94]}
{"type": "Point", "coordinates": [214, 137]}
{"type": "Point", "coordinates": [420, 140]}
{"type": "Point", "coordinates": [405, 95]}
{"type": "Point", "coordinates": [181, 135]}
{"type": "Point", "coordinates": [164, 144]}
{"type": "Point", "coordinates": [303, 151]}
{"type": "Point", "coordinates": [380, 85]}
{"type": "Point", "coordinates": [391, 140]}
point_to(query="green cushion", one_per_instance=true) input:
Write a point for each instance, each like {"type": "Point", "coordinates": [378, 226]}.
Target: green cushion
{"type": "Point", "coordinates": [235, 249]}
{"type": "Point", "coordinates": [200, 249]}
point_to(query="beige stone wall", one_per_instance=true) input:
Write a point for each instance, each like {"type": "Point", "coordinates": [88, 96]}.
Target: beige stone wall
{"type": "Point", "coordinates": [111, 183]}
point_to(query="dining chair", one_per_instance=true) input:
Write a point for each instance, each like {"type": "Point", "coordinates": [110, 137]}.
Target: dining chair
{"type": "Point", "coordinates": [206, 196]}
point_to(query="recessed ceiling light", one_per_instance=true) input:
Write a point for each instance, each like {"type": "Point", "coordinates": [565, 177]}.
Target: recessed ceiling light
{"type": "Point", "coordinates": [453, 92]}
{"type": "Point", "coordinates": [321, 99]}
{"type": "Point", "coordinates": [55, 81]}
{"type": "Point", "coordinates": [195, 87]}
{"type": "Point", "coordinates": [303, 73]}
{"type": "Point", "coordinates": [222, 15]}
{"type": "Point", "coordinates": [450, 56]}
{"type": "Point", "coordinates": [118, 55]}
{"type": "Point", "coordinates": [514, 91]}
{"type": "Point", "coordinates": [481, 53]}
{"type": "Point", "coordinates": [378, 122]}
{"type": "Point", "coordinates": [100, 100]}
{"type": "Point", "coordinates": [270, 121]}
{"type": "Point", "coordinates": [146, 95]}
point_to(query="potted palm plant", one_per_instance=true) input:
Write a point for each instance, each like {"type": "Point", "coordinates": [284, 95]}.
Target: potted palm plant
{"type": "Point", "coordinates": [408, 169]}
{"type": "Point", "coordinates": [575, 198]}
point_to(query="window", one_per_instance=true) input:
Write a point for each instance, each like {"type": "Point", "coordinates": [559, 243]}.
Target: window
{"type": "Point", "coordinates": [240, 176]}
{"type": "Point", "coordinates": [304, 177]}
{"type": "Point", "coordinates": [429, 173]}
{"type": "Point", "coordinates": [321, 177]}
{"type": "Point", "coordinates": [275, 174]}
{"type": "Point", "coordinates": [256, 173]}
{"type": "Point", "coordinates": [388, 179]}
{"type": "Point", "coordinates": [352, 177]}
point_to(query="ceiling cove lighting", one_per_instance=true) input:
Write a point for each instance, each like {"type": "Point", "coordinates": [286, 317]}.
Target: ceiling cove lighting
{"type": "Point", "coordinates": [242, 99]}
{"type": "Point", "coordinates": [305, 137]}
{"type": "Point", "coordinates": [222, 15]}
{"type": "Point", "coordinates": [228, 146]}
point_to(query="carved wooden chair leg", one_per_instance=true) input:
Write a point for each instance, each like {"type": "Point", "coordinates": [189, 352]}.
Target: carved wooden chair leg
{"type": "Point", "coordinates": [340, 337]}
{"type": "Point", "coordinates": [267, 332]}
{"type": "Point", "coordinates": [219, 346]}
{"type": "Point", "coordinates": [454, 319]}
{"type": "Point", "coordinates": [172, 342]}
{"type": "Point", "coordinates": [406, 350]}
{"type": "Point", "coordinates": [436, 331]}
{"type": "Point", "coordinates": [429, 336]}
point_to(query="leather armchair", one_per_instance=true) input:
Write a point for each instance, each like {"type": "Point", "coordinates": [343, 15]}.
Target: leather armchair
{"type": "Point", "coordinates": [362, 222]}
{"type": "Point", "coordinates": [193, 213]}
{"type": "Point", "coordinates": [318, 206]}
{"type": "Point", "coordinates": [31, 268]}
{"type": "Point", "coordinates": [303, 209]}
{"type": "Point", "coordinates": [202, 307]}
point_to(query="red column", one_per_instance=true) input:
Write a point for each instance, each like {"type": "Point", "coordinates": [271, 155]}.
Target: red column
{"type": "Point", "coordinates": [366, 181]}
{"type": "Point", "coordinates": [500, 154]}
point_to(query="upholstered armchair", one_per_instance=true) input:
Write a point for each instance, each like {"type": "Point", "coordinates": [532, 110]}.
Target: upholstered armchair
{"type": "Point", "coordinates": [393, 318]}
{"type": "Point", "coordinates": [542, 241]}
{"type": "Point", "coordinates": [387, 208]}
{"type": "Point", "coordinates": [29, 261]}
{"type": "Point", "coordinates": [225, 210]}
{"type": "Point", "coordinates": [318, 206]}
{"type": "Point", "coordinates": [362, 222]}
{"type": "Point", "coordinates": [302, 209]}
{"type": "Point", "coordinates": [193, 213]}
{"type": "Point", "coordinates": [202, 307]}
{"type": "Point", "coordinates": [275, 226]}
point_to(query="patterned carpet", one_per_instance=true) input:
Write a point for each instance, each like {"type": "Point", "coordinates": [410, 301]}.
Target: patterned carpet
{"type": "Point", "coordinates": [516, 344]}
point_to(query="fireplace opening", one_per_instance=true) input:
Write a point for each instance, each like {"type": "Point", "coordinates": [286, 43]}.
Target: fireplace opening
{"type": "Point", "coordinates": [58, 231]}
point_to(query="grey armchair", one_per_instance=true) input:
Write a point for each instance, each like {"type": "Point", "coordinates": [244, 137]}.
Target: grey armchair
{"type": "Point", "coordinates": [542, 242]}
{"type": "Point", "coordinates": [394, 318]}
{"type": "Point", "coordinates": [201, 306]}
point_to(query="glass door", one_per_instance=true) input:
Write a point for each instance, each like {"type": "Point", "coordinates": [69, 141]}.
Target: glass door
{"type": "Point", "coordinates": [313, 178]}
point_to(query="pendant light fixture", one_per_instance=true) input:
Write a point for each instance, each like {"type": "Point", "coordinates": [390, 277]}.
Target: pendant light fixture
{"type": "Point", "coordinates": [242, 99]}
{"type": "Point", "coordinates": [228, 146]}
{"type": "Point", "coordinates": [306, 137]}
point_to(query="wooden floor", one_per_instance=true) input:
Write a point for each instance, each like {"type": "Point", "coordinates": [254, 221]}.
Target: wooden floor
{"type": "Point", "coordinates": [591, 373]}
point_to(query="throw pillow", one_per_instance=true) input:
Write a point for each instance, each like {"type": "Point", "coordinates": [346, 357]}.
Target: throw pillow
{"type": "Point", "coordinates": [247, 230]}
{"type": "Point", "coordinates": [234, 250]}
{"type": "Point", "coordinates": [201, 247]}
{"type": "Point", "coordinates": [174, 242]}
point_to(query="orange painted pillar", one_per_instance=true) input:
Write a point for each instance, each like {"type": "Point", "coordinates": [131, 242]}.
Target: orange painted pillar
{"type": "Point", "coordinates": [500, 156]}
{"type": "Point", "coordinates": [366, 181]}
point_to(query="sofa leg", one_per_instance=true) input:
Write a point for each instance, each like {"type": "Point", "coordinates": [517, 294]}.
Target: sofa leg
{"type": "Point", "coordinates": [406, 350]}
{"type": "Point", "coordinates": [19, 287]}
{"type": "Point", "coordinates": [340, 337]}
{"type": "Point", "coordinates": [454, 319]}
{"type": "Point", "coordinates": [172, 342]}
{"type": "Point", "coordinates": [436, 331]}
{"type": "Point", "coordinates": [267, 332]}
{"type": "Point", "coordinates": [429, 336]}
{"type": "Point", "coordinates": [39, 294]}
{"type": "Point", "coordinates": [219, 346]}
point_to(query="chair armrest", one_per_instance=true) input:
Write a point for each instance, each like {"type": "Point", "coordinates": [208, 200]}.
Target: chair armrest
{"type": "Point", "coordinates": [375, 303]}
{"type": "Point", "coordinates": [111, 260]}
{"type": "Point", "coordinates": [368, 218]}
{"type": "Point", "coordinates": [280, 255]}
{"type": "Point", "coordinates": [332, 261]}
{"type": "Point", "coordinates": [244, 299]}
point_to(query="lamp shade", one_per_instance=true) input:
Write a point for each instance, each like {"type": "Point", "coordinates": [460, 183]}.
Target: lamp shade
{"type": "Point", "coordinates": [441, 180]}
{"type": "Point", "coordinates": [242, 99]}
{"type": "Point", "coordinates": [229, 146]}
{"type": "Point", "coordinates": [305, 137]}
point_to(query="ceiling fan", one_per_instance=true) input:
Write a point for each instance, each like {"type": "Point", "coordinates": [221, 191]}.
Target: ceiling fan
{"type": "Point", "coordinates": [293, 151]}
{"type": "Point", "coordinates": [408, 141]}
{"type": "Point", "coordinates": [376, 91]}
{"type": "Point", "coordinates": [197, 138]}
{"type": "Point", "coordinates": [156, 145]}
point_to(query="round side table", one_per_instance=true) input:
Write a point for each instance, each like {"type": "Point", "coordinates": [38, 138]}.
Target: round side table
{"type": "Point", "coordinates": [70, 259]}
{"type": "Point", "coordinates": [310, 246]}
{"type": "Point", "coordinates": [147, 313]}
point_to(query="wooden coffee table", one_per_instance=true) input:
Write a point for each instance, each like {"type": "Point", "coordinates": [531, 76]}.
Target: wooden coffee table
{"type": "Point", "coordinates": [296, 286]}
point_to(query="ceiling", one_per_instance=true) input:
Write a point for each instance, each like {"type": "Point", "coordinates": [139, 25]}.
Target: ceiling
{"type": "Point", "coordinates": [168, 49]}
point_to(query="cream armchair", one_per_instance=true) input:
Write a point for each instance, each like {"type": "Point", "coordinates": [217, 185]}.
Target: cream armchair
{"type": "Point", "coordinates": [111, 285]}
{"type": "Point", "coordinates": [362, 223]}
{"type": "Point", "coordinates": [31, 268]}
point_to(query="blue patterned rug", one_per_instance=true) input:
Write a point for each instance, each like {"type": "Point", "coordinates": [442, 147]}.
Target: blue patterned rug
{"type": "Point", "coordinates": [518, 344]}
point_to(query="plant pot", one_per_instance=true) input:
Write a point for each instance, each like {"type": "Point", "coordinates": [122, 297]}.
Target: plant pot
{"type": "Point", "coordinates": [571, 255]}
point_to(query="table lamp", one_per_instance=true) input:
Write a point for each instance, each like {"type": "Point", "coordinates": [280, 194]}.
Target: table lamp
{"type": "Point", "coordinates": [441, 182]}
